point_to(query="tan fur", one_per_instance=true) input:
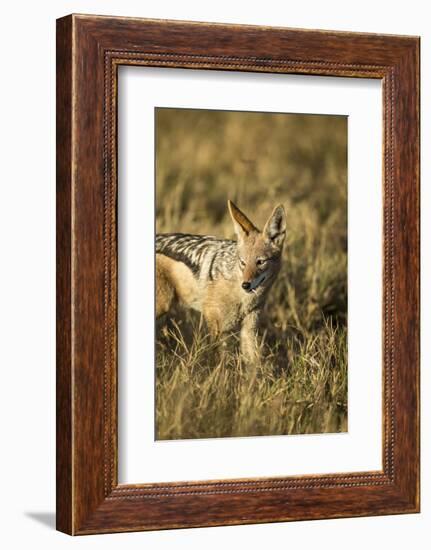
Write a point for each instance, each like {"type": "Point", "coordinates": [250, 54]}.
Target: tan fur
{"type": "Point", "coordinates": [222, 305]}
{"type": "Point", "coordinates": [174, 284]}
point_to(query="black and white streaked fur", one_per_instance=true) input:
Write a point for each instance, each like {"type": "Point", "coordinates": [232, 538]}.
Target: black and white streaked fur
{"type": "Point", "coordinates": [208, 258]}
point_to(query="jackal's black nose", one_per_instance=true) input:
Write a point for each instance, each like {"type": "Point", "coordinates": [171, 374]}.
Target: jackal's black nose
{"type": "Point", "coordinates": [246, 285]}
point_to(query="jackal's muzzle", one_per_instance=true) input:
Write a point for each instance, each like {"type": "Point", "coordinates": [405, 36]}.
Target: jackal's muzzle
{"type": "Point", "coordinates": [251, 286]}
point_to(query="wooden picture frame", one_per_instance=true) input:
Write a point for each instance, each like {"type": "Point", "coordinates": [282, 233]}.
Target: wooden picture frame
{"type": "Point", "coordinates": [89, 51]}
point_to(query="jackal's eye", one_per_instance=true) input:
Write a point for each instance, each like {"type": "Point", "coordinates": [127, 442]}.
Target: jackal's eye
{"type": "Point", "coordinates": [241, 262]}
{"type": "Point", "coordinates": [261, 261]}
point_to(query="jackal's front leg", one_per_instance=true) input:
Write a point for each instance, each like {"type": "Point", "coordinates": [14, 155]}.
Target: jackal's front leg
{"type": "Point", "coordinates": [249, 344]}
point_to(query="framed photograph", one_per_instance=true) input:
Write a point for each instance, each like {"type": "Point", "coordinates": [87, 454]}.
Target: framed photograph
{"type": "Point", "coordinates": [237, 274]}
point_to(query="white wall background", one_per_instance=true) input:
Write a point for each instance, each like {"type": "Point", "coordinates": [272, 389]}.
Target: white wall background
{"type": "Point", "coordinates": [27, 280]}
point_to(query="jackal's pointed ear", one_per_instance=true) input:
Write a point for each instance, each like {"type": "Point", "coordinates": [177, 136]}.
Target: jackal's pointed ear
{"type": "Point", "coordinates": [243, 226]}
{"type": "Point", "coordinates": [275, 227]}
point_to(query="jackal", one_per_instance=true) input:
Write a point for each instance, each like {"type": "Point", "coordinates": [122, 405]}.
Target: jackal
{"type": "Point", "coordinates": [226, 281]}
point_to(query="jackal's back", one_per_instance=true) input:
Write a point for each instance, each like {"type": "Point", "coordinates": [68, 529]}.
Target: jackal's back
{"type": "Point", "coordinates": [205, 256]}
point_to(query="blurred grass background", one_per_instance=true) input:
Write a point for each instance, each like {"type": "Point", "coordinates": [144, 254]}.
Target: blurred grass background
{"type": "Point", "coordinates": [258, 160]}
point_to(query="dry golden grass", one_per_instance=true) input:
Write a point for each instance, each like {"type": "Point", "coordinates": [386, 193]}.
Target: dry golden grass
{"type": "Point", "coordinates": [258, 160]}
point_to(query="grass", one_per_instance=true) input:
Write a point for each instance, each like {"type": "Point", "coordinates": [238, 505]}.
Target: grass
{"type": "Point", "coordinates": [203, 389]}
